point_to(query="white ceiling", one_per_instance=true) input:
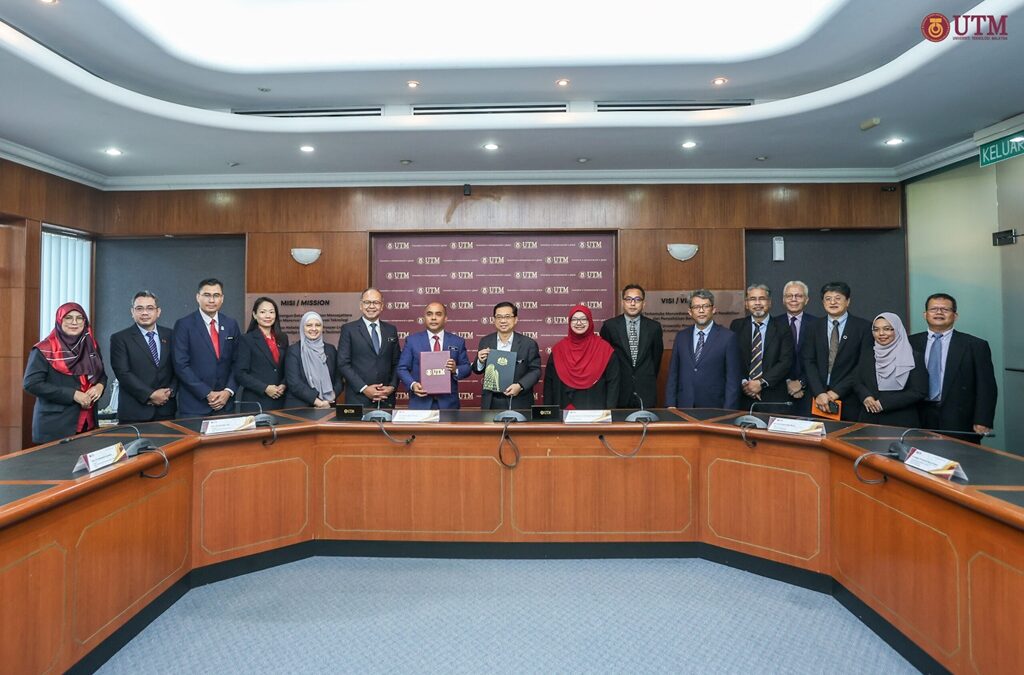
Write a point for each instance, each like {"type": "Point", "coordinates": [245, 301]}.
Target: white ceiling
{"type": "Point", "coordinates": [78, 77]}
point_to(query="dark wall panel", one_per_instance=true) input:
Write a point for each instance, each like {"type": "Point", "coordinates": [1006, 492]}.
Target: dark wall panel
{"type": "Point", "coordinates": [873, 263]}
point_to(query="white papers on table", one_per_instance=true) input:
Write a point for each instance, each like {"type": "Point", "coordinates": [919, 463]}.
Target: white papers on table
{"type": "Point", "coordinates": [934, 464]}
{"type": "Point", "coordinates": [97, 459]}
{"type": "Point", "coordinates": [587, 416]}
{"type": "Point", "coordinates": [226, 425]}
{"type": "Point", "coordinates": [416, 416]}
{"type": "Point", "coordinates": [801, 427]}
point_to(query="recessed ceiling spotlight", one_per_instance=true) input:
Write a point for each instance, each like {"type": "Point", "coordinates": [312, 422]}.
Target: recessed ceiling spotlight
{"type": "Point", "coordinates": [113, 152]}
{"type": "Point", "coordinates": [719, 81]}
{"type": "Point", "coordinates": [405, 162]}
{"type": "Point", "coordinates": [490, 146]}
{"type": "Point", "coordinates": [49, 2]}
{"type": "Point", "coordinates": [563, 82]}
{"type": "Point", "coordinates": [582, 160]}
{"type": "Point", "coordinates": [762, 158]}
{"type": "Point", "coordinates": [690, 144]}
{"type": "Point", "coordinates": [306, 148]}
{"type": "Point", "coordinates": [1017, 139]}
{"type": "Point", "coordinates": [894, 141]}
{"type": "Point", "coordinates": [412, 84]}
{"type": "Point", "coordinates": [263, 90]}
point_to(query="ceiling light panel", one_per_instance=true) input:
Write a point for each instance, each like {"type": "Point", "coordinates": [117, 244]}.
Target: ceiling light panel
{"type": "Point", "coordinates": [313, 35]}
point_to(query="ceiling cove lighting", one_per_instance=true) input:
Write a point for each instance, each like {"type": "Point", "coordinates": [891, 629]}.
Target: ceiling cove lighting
{"type": "Point", "coordinates": [307, 148]}
{"type": "Point", "coordinates": [894, 141]}
{"type": "Point", "coordinates": [689, 144]}
{"type": "Point", "coordinates": [113, 152]}
{"type": "Point", "coordinates": [490, 146]}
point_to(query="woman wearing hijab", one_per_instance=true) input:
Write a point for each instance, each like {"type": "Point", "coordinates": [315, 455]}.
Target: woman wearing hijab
{"type": "Point", "coordinates": [65, 374]}
{"type": "Point", "coordinates": [310, 368]}
{"type": "Point", "coordinates": [581, 372]}
{"type": "Point", "coordinates": [259, 361]}
{"type": "Point", "coordinates": [891, 376]}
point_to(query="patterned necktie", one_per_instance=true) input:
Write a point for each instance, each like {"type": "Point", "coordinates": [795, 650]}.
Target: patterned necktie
{"type": "Point", "coordinates": [833, 345]}
{"type": "Point", "coordinates": [375, 338]}
{"type": "Point", "coordinates": [152, 347]}
{"type": "Point", "coordinates": [795, 331]}
{"type": "Point", "coordinates": [634, 341]}
{"type": "Point", "coordinates": [700, 346]}
{"type": "Point", "coordinates": [756, 353]}
{"type": "Point", "coordinates": [935, 368]}
{"type": "Point", "coordinates": [437, 344]}
{"type": "Point", "coordinates": [215, 338]}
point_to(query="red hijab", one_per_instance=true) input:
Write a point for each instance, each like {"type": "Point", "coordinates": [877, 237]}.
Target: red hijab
{"type": "Point", "coordinates": [581, 359]}
{"type": "Point", "coordinates": [77, 356]}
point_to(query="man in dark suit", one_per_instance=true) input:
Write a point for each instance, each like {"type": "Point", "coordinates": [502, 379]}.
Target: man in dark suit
{"type": "Point", "coordinates": [368, 355]}
{"type": "Point", "coordinates": [638, 344]}
{"type": "Point", "coordinates": [962, 388]}
{"type": "Point", "coordinates": [833, 350]}
{"type": "Point", "coordinates": [766, 350]}
{"type": "Point", "coordinates": [795, 296]}
{"type": "Point", "coordinates": [705, 370]}
{"type": "Point", "coordinates": [141, 357]}
{"type": "Point", "coordinates": [434, 339]}
{"type": "Point", "coordinates": [519, 394]}
{"type": "Point", "coordinates": [204, 351]}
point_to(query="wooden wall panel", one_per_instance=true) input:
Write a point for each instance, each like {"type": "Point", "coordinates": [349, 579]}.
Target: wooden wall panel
{"type": "Point", "coordinates": [719, 263]}
{"type": "Point", "coordinates": [28, 193]}
{"type": "Point", "coordinates": [342, 266]}
{"type": "Point", "coordinates": [765, 206]}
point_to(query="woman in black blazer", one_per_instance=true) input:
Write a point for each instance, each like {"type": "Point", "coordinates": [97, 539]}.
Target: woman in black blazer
{"type": "Point", "coordinates": [891, 377]}
{"type": "Point", "coordinates": [65, 373]}
{"type": "Point", "coordinates": [259, 362]}
{"type": "Point", "coordinates": [311, 367]}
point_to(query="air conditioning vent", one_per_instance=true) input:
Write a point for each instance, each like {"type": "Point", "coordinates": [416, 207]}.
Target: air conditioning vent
{"type": "Point", "coordinates": [668, 106]}
{"type": "Point", "coordinates": [364, 111]}
{"type": "Point", "coordinates": [489, 109]}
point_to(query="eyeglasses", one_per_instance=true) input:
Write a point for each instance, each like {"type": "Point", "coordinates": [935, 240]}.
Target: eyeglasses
{"type": "Point", "coordinates": [504, 317]}
{"type": "Point", "coordinates": [372, 303]}
{"type": "Point", "coordinates": [583, 321]}
{"type": "Point", "coordinates": [701, 308]}
{"type": "Point", "coordinates": [632, 299]}
{"type": "Point", "coordinates": [211, 296]}
{"type": "Point", "coordinates": [794, 296]}
{"type": "Point", "coordinates": [73, 318]}
{"type": "Point", "coordinates": [148, 308]}
{"type": "Point", "coordinates": [834, 298]}
{"type": "Point", "coordinates": [883, 329]}
{"type": "Point", "coordinates": [941, 310]}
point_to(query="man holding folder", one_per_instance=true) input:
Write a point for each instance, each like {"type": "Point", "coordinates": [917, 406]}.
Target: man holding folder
{"type": "Point", "coordinates": [424, 356]}
{"type": "Point", "coordinates": [526, 357]}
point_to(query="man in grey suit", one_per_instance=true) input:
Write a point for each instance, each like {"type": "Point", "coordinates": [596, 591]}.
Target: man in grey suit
{"type": "Point", "coordinates": [638, 344]}
{"type": "Point", "coordinates": [527, 373]}
{"type": "Point", "coordinates": [368, 355]}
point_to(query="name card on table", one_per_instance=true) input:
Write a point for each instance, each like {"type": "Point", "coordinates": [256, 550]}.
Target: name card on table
{"type": "Point", "coordinates": [799, 427]}
{"type": "Point", "coordinates": [98, 459]}
{"type": "Point", "coordinates": [416, 416]}
{"type": "Point", "coordinates": [587, 416]}
{"type": "Point", "coordinates": [934, 464]}
{"type": "Point", "coordinates": [226, 425]}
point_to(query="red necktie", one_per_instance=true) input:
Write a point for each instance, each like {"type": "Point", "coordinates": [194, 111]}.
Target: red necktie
{"type": "Point", "coordinates": [215, 338]}
{"type": "Point", "coordinates": [437, 344]}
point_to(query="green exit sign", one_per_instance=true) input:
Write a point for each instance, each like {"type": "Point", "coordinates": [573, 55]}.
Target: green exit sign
{"type": "Point", "coordinates": [1003, 148]}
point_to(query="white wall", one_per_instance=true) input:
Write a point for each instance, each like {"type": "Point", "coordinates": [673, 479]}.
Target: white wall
{"type": "Point", "coordinates": [950, 220]}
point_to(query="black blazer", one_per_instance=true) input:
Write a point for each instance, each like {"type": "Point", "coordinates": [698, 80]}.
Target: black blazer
{"type": "Point", "coordinates": [361, 366]}
{"type": "Point", "coordinates": [641, 380]}
{"type": "Point", "coordinates": [796, 372]}
{"type": "Point", "coordinates": [299, 394]}
{"type": "Point", "coordinates": [969, 389]}
{"type": "Point", "coordinates": [55, 415]}
{"type": "Point", "coordinates": [138, 377]}
{"type": "Point", "coordinates": [255, 369]}
{"type": "Point", "coordinates": [604, 394]}
{"type": "Point", "coordinates": [855, 339]}
{"type": "Point", "coordinates": [776, 362]}
{"type": "Point", "coordinates": [527, 372]}
{"type": "Point", "coordinates": [899, 408]}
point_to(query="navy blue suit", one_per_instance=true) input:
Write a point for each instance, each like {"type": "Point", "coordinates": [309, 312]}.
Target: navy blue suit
{"type": "Point", "coordinates": [409, 369]}
{"type": "Point", "coordinates": [198, 369]}
{"type": "Point", "coordinates": [714, 381]}
{"type": "Point", "coordinates": [801, 406]}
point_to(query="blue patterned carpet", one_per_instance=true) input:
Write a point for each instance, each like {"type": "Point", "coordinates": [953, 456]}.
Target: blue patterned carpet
{"type": "Point", "coordinates": [405, 615]}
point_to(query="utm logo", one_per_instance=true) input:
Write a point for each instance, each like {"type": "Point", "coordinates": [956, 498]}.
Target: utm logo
{"type": "Point", "coordinates": [935, 27]}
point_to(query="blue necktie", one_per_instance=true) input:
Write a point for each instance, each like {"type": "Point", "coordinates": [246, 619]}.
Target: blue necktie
{"type": "Point", "coordinates": [152, 347]}
{"type": "Point", "coordinates": [375, 338]}
{"type": "Point", "coordinates": [700, 346]}
{"type": "Point", "coordinates": [935, 368]}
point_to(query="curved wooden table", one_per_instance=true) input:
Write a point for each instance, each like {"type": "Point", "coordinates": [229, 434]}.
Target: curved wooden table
{"type": "Point", "coordinates": [942, 562]}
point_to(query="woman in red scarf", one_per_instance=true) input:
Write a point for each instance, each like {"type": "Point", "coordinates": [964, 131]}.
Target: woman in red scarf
{"type": "Point", "coordinates": [65, 373]}
{"type": "Point", "coordinates": [581, 372]}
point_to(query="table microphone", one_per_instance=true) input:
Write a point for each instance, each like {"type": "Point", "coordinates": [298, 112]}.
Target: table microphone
{"type": "Point", "coordinates": [140, 444]}
{"type": "Point", "coordinates": [510, 415]}
{"type": "Point", "coordinates": [376, 415]}
{"type": "Point", "coordinates": [262, 419]}
{"type": "Point", "coordinates": [749, 421]}
{"type": "Point", "coordinates": [641, 415]}
{"type": "Point", "coordinates": [900, 449]}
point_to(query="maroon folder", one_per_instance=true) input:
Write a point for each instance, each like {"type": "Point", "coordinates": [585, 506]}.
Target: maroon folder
{"type": "Point", "coordinates": [434, 377]}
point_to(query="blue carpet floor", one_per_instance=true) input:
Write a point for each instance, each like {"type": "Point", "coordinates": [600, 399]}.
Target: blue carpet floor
{"type": "Point", "coordinates": [403, 615]}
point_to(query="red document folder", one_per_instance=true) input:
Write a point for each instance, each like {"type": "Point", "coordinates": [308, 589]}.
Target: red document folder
{"type": "Point", "coordinates": [434, 377]}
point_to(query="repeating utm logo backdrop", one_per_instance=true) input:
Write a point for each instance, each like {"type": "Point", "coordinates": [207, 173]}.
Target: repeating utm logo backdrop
{"type": "Point", "coordinates": [543, 274]}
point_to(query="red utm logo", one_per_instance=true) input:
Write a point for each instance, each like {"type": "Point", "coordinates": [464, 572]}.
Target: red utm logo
{"type": "Point", "coordinates": [936, 27]}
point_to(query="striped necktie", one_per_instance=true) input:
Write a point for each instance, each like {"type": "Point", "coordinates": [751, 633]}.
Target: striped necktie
{"type": "Point", "coordinates": [700, 346]}
{"type": "Point", "coordinates": [634, 340]}
{"type": "Point", "coordinates": [152, 347]}
{"type": "Point", "coordinates": [756, 353]}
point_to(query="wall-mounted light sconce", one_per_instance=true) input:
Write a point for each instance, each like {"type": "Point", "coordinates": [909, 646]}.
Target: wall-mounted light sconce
{"type": "Point", "coordinates": [682, 252]}
{"type": "Point", "coordinates": [305, 256]}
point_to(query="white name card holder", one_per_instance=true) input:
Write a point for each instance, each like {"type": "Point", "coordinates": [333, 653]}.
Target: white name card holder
{"type": "Point", "coordinates": [935, 465]}
{"type": "Point", "coordinates": [98, 459]}
{"type": "Point", "coordinates": [799, 427]}
{"type": "Point", "coordinates": [226, 425]}
{"type": "Point", "coordinates": [587, 416]}
{"type": "Point", "coordinates": [407, 416]}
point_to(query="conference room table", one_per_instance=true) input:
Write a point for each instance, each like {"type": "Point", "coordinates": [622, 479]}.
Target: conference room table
{"type": "Point", "coordinates": [87, 559]}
